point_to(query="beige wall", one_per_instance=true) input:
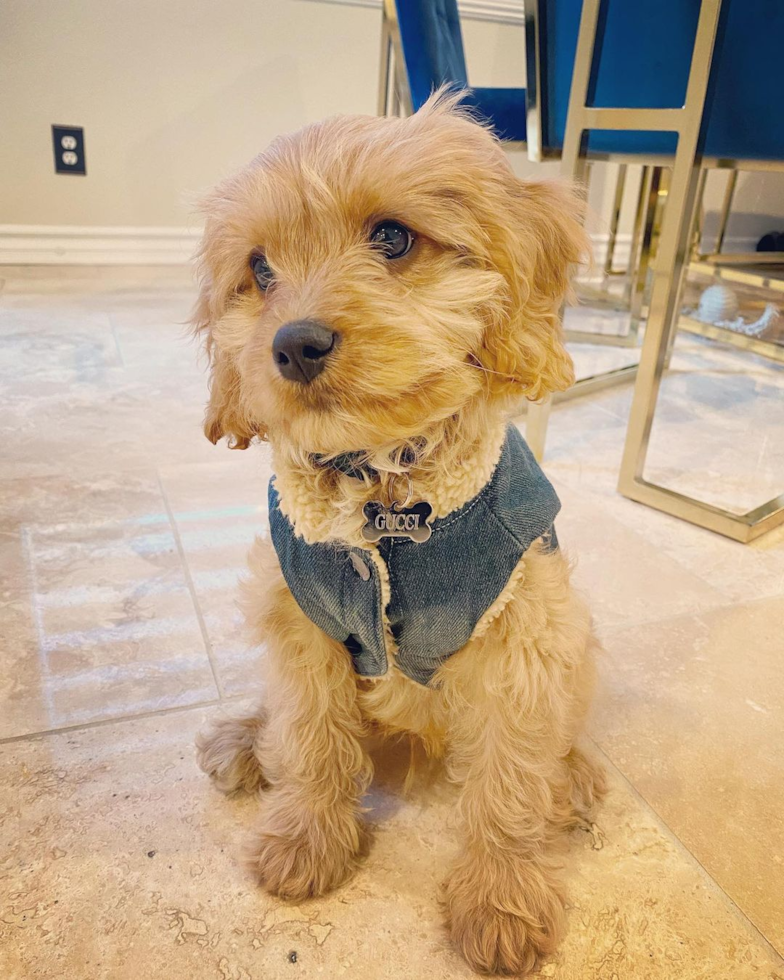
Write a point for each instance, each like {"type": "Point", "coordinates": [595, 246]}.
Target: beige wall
{"type": "Point", "coordinates": [174, 93]}
{"type": "Point", "coordinates": [171, 94]}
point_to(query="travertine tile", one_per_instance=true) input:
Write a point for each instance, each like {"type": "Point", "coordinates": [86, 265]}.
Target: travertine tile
{"type": "Point", "coordinates": [219, 509]}
{"type": "Point", "coordinates": [692, 711]}
{"type": "Point", "coordinates": [120, 861]}
{"type": "Point", "coordinates": [98, 620]}
{"type": "Point", "coordinates": [54, 347]}
{"type": "Point", "coordinates": [737, 571]}
{"type": "Point", "coordinates": [88, 395]}
{"type": "Point", "coordinates": [627, 578]}
{"type": "Point", "coordinates": [102, 396]}
{"type": "Point", "coordinates": [718, 433]}
{"type": "Point", "coordinates": [89, 428]}
{"type": "Point", "coordinates": [153, 336]}
{"type": "Point", "coordinates": [720, 437]}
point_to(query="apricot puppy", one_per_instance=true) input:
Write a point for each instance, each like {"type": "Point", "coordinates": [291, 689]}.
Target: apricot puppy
{"type": "Point", "coordinates": [378, 296]}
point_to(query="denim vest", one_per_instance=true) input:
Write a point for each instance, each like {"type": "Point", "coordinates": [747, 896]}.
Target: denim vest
{"type": "Point", "coordinates": [440, 588]}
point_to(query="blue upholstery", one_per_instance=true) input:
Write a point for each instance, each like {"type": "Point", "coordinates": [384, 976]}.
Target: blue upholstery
{"type": "Point", "coordinates": [433, 52]}
{"type": "Point", "coordinates": [432, 46]}
{"type": "Point", "coordinates": [644, 53]}
{"type": "Point", "coordinates": [747, 119]}
{"type": "Point", "coordinates": [643, 61]}
{"type": "Point", "coordinates": [504, 107]}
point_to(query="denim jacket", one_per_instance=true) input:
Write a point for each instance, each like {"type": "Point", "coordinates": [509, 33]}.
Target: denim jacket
{"type": "Point", "coordinates": [440, 588]}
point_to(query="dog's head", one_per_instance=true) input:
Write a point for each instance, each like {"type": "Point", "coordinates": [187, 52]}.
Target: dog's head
{"type": "Point", "coordinates": [368, 278]}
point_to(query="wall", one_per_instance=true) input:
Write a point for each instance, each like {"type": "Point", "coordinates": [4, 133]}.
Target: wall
{"type": "Point", "coordinates": [172, 94]}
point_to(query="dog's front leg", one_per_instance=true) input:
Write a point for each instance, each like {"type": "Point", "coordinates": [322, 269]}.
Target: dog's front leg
{"type": "Point", "coordinates": [503, 897]}
{"type": "Point", "coordinates": [309, 835]}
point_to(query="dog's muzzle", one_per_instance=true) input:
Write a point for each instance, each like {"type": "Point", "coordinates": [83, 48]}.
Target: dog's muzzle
{"type": "Point", "coordinates": [300, 349]}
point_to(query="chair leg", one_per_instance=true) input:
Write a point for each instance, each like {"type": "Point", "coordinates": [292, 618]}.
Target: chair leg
{"type": "Point", "coordinates": [394, 94]}
{"type": "Point", "coordinates": [669, 267]}
{"type": "Point", "coordinates": [640, 215]}
{"type": "Point", "coordinates": [726, 210]}
{"type": "Point", "coordinates": [638, 280]}
{"type": "Point", "coordinates": [671, 257]}
{"type": "Point", "coordinates": [384, 65]}
{"type": "Point", "coordinates": [620, 187]}
{"type": "Point", "coordinates": [536, 426]}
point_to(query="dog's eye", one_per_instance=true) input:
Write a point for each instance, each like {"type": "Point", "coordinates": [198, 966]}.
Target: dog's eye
{"type": "Point", "coordinates": [262, 271]}
{"type": "Point", "coordinates": [392, 238]}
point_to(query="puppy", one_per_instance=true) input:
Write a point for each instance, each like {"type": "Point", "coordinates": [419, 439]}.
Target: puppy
{"type": "Point", "coordinates": [378, 295]}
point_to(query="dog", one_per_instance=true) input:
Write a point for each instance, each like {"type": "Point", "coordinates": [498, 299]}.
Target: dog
{"type": "Point", "coordinates": [378, 296]}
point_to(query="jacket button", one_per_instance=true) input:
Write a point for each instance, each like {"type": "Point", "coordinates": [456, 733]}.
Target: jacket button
{"type": "Point", "coordinates": [360, 567]}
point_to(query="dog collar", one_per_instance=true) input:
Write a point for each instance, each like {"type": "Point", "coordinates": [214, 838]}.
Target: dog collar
{"type": "Point", "coordinates": [352, 464]}
{"type": "Point", "coordinates": [355, 464]}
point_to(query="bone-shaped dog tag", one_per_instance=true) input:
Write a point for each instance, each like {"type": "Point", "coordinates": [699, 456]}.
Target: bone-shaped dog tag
{"type": "Point", "coordinates": [396, 522]}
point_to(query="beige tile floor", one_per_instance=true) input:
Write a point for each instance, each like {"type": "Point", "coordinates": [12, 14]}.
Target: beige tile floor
{"type": "Point", "coordinates": [122, 534]}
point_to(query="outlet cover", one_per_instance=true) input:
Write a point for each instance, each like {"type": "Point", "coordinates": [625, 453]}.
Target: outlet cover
{"type": "Point", "coordinates": [68, 144]}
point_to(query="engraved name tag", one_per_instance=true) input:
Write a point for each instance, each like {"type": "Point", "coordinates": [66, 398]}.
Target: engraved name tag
{"type": "Point", "coordinates": [396, 522]}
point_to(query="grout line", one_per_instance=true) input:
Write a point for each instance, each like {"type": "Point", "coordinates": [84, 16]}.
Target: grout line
{"type": "Point", "coordinates": [117, 719]}
{"type": "Point", "coordinates": [681, 845]}
{"type": "Point", "coordinates": [26, 537]}
{"type": "Point", "coordinates": [191, 588]}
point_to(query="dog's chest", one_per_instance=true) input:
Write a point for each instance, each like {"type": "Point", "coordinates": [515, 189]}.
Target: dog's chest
{"type": "Point", "coordinates": [408, 605]}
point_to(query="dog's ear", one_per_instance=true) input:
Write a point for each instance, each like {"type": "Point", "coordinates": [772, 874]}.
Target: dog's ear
{"type": "Point", "coordinates": [538, 241]}
{"type": "Point", "coordinates": [225, 415]}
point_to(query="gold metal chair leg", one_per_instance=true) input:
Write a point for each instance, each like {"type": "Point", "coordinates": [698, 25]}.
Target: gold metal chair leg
{"type": "Point", "coordinates": [394, 95]}
{"type": "Point", "coordinates": [699, 215]}
{"type": "Point", "coordinates": [536, 425]}
{"type": "Point", "coordinates": [726, 210]}
{"type": "Point", "coordinates": [602, 298]}
{"type": "Point", "coordinates": [662, 319]}
{"type": "Point", "coordinates": [620, 187]}
{"type": "Point", "coordinates": [648, 211]}
{"type": "Point", "coordinates": [669, 265]}
{"type": "Point", "coordinates": [382, 107]}
{"type": "Point", "coordinates": [640, 216]}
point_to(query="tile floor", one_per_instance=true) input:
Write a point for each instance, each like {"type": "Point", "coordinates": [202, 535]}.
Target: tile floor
{"type": "Point", "coordinates": [122, 534]}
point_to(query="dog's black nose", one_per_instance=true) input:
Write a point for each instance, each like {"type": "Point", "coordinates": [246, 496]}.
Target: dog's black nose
{"type": "Point", "coordinates": [300, 349]}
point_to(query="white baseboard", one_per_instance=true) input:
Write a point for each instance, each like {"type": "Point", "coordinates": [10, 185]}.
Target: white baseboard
{"type": "Point", "coordinates": [75, 245]}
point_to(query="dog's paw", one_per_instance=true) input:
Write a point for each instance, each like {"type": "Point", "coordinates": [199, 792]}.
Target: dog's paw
{"type": "Point", "coordinates": [588, 784]}
{"type": "Point", "coordinates": [300, 867]}
{"type": "Point", "coordinates": [227, 753]}
{"type": "Point", "coordinates": [508, 935]}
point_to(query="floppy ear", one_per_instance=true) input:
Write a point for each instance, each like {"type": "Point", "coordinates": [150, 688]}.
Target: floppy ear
{"type": "Point", "coordinates": [539, 239]}
{"type": "Point", "coordinates": [225, 415]}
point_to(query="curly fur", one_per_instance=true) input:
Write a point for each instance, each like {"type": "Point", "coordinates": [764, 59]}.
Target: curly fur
{"type": "Point", "coordinates": [436, 350]}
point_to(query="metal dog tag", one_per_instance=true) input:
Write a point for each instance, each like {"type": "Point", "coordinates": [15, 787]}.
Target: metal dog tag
{"type": "Point", "coordinates": [396, 521]}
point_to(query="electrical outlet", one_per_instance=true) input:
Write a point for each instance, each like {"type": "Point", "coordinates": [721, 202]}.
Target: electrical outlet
{"type": "Point", "coordinates": [68, 150]}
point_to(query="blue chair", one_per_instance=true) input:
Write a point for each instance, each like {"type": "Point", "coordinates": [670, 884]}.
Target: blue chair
{"type": "Point", "coordinates": [642, 61]}
{"type": "Point", "coordinates": [669, 83]}
{"type": "Point", "coordinates": [715, 105]}
{"type": "Point", "coordinates": [426, 40]}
